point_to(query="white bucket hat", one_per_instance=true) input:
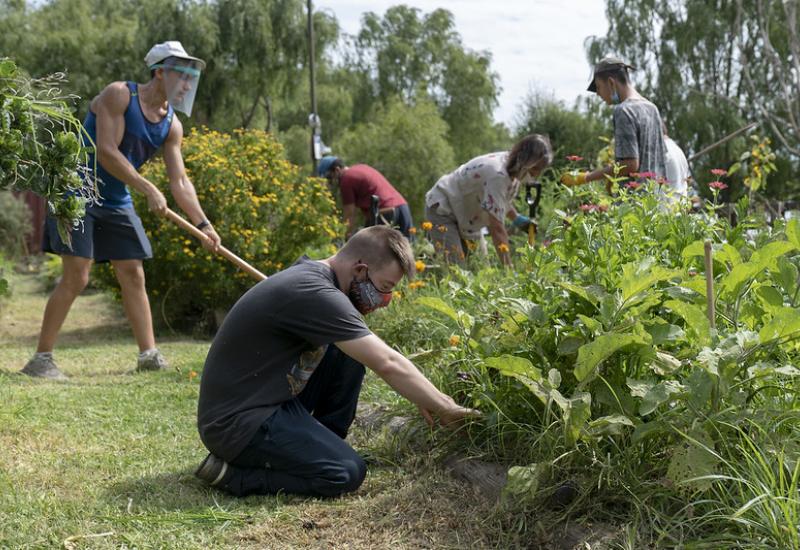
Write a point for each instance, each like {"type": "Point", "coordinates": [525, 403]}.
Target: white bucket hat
{"type": "Point", "coordinates": [181, 76]}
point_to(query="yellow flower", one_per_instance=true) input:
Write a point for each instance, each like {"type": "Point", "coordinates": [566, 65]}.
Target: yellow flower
{"type": "Point", "coordinates": [441, 229]}
{"type": "Point", "coordinates": [420, 265]}
{"type": "Point", "coordinates": [416, 284]}
{"type": "Point", "coordinates": [412, 230]}
{"type": "Point", "coordinates": [427, 226]}
{"type": "Point", "coordinates": [455, 340]}
{"type": "Point", "coordinates": [502, 247]}
{"type": "Point", "coordinates": [397, 294]}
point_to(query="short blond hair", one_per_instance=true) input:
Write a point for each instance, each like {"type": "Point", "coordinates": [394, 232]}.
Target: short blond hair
{"type": "Point", "coordinates": [378, 246]}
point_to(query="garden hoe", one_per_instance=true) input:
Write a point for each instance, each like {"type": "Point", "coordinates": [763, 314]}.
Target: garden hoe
{"type": "Point", "coordinates": [224, 252]}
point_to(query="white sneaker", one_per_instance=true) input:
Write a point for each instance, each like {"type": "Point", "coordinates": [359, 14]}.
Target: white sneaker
{"type": "Point", "coordinates": [150, 361]}
{"type": "Point", "coordinates": [40, 367]}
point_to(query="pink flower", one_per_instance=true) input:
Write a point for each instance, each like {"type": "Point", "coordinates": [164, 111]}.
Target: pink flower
{"type": "Point", "coordinates": [718, 185]}
{"type": "Point", "coordinates": [647, 175]}
{"type": "Point", "coordinates": [589, 208]}
{"type": "Point", "coordinates": [574, 158]}
{"type": "Point", "coordinates": [633, 185]}
{"type": "Point", "coordinates": [634, 174]}
{"type": "Point", "coordinates": [719, 172]}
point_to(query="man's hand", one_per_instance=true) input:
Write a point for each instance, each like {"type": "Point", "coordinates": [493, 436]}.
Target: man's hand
{"type": "Point", "coordinates": [212, 240]}
{"type": "Point", "coordinates": [457, 415]}
{"type": "Point", "coordinates": [451, 417]}
{"type": "Point", "coordinates": [156, 202]}
{"type": "Point", "coordinates": [574, 179]}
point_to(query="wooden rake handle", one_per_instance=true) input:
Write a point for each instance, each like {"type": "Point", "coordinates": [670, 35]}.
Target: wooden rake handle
{"type": "Point", "coordinates": [222, 251]}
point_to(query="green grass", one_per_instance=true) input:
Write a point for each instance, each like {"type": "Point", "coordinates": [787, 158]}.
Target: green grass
{"type": "Point", "coordinates": [105, 460]}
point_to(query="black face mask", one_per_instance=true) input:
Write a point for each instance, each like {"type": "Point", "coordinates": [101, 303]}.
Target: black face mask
{"type": "Point", "coordinates": [366, 297]}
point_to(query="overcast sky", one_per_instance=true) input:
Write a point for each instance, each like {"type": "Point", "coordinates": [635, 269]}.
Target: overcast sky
{"type": "Point", "coordinates": [532, 42]}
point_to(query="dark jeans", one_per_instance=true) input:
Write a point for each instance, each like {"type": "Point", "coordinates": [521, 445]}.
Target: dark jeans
{"type": "Point", "coordinates": [300, 449]}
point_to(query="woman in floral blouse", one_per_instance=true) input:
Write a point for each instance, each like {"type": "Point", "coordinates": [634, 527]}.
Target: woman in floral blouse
{"type": "Point", "coordinates": [480, 194]}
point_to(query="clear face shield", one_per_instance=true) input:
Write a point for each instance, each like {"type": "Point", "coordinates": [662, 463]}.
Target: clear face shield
{"type": "Point", "coordinates": [181, 77]}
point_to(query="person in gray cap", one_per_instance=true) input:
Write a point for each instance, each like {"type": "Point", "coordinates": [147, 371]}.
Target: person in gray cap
{"type": "Point", "coordinates": [638, 140]}
{"type": "Point", "coordinates": [126, 124]}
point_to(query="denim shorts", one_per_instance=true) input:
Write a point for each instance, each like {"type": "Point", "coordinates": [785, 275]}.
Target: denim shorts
{"type": "Point", "coordinates": [105, 234]}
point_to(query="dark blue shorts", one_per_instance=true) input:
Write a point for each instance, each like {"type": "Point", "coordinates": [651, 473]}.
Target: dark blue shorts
{"type": "Point", "coordinates": [105, 234]}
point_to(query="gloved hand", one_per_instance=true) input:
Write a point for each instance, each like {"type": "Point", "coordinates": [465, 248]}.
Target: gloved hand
{"type": "Point", "coordinates": [571, 179]}
{"type": "Point", "coordinates": [521, 221]}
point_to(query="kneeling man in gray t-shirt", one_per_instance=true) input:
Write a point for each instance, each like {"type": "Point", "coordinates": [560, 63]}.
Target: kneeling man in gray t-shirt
{"type": "Point", "coordinates": [281, 381]}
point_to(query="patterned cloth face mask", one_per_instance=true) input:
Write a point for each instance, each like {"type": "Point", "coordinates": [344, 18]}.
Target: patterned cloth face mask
{"type": "Point", "coordinates": [366, 297]}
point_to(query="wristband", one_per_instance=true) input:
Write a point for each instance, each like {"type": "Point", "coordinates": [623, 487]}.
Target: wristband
{"type": "Point", "coordinates": [203, 224]}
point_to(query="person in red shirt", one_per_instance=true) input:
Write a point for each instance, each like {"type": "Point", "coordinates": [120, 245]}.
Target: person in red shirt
{"type": "Point", "coordinates": [357, 184]}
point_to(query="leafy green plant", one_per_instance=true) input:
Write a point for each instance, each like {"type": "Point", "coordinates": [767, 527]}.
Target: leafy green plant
{"type": "Point", "coordinates": [600, 346]}
{"type": "Point", "coordinates": [40, 147]}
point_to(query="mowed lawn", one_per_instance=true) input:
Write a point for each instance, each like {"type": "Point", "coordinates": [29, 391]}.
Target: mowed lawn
{"type": "Point", "coordinates": [106, 459]}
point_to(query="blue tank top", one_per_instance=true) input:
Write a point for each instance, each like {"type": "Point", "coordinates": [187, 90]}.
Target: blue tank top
{"type": "Point", "coordinates": [140, 141]}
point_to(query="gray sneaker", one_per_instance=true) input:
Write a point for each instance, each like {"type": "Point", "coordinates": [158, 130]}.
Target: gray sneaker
{"type": "Point", "coordinates": [150, 361]}
{"type": "Point", "coordinates": [39, 367]}
{"type": "Point", "coordinates": [212, 470]}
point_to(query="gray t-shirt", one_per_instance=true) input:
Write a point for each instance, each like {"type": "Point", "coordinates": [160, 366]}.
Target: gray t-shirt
{"type": "Point", "coordinates": [638, 135]}
{"type": "Point", "coordinates": [266, 350]}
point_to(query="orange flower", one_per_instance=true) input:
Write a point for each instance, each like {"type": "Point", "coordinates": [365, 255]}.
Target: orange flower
{"type": "Point", "coordinates": [420, 265]}
{"type": "Point", "coordinates": [412, 230]}
{"type": "Point", "coordinates": [427, 226]}
{"type": "Point", "coordinates": [455, 340]}
{"type": "Point", "coordinates": [502, 247]}
{"type": "Point", "coordinates": [441, 228]}
{"type": "Point", "coordinates": [192, 375]}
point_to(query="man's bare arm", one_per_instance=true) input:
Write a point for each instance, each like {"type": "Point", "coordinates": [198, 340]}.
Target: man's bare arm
{"type": "Point", "coordinates": [405, 378]}
{"type": "Point", "coordinates": [181, 186]}
{"type": "Point", "coordinates": [109, 108]}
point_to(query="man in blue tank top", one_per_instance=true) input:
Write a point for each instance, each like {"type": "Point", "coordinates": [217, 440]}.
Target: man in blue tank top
{"type": "Point", "coordinates": [128, 124]}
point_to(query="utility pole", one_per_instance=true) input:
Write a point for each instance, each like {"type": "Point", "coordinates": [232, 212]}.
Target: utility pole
{"type": "Point", "coordinates": [313, 118]}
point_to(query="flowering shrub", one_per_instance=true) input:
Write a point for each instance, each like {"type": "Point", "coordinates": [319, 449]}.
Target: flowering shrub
{"type": "Point", "coordinates": [263, 208]}
{"type": "Point", "coordinates": [759, 162]}
{"type": "Point", "coordinates": [718, 185]}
